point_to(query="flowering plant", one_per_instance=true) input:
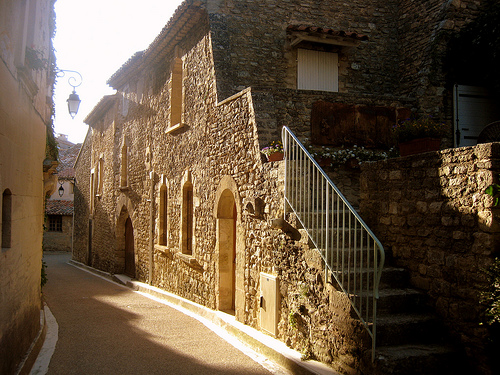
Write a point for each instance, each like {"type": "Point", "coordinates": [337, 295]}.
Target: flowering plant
{"type": "Point", "coordinates": [340, 156]}
{"type": "Point", "coordinates": [274, 147]}
{"type": "Point", "coordinates": [424, 127]}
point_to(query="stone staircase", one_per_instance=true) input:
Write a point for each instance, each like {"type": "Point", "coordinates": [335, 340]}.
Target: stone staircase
{"type": "Point", "coordinates": [411, 339]}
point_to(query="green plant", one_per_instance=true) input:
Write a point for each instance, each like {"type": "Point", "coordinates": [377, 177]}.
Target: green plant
{"type": "Point", "coordinates": [292, 319]}
{"type": "Point", "coordinates": [491, 296]}
{"type": "Point", "coordinates": [44, 278]}
{"type": "Point", "coordinates": [274, 147]}
{"type": "Point", "coordinates": [34, 59]}
{"type": "Point", "coordinates": [494, 191]}
{"type": "Point", "coordinates": [423, 127]}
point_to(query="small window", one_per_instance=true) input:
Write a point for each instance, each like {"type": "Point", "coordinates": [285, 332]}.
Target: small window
{"type": "Point", "coordinates": [187, 218]}
{"type": "Point", "coordinates": [100, 176]}
{"type": "Point", "coordinates": [55, 223]}
{"type": "Point", "coordinates": [317, 70]}
{"type": "Point", "coordinates": [162, 239]}
{"type": "Point", "coordinates": [92, 189]}
{"type": "Point", "coordinates": [124, 167]}
{"type": "Point", "coordinates": [176, 94]}
{"type": "Point", "coordinates": [6, 218]}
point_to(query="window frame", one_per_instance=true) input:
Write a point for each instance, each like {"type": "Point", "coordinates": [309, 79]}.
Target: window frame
{"type": "Point", "coordinates": [317, 70]}
{"type": "Point", "coordinates": [54, 223]}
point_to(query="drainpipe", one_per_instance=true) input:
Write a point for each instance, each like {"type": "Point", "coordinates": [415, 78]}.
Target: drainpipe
{"type": "Point", "coordinates": [151, 226]}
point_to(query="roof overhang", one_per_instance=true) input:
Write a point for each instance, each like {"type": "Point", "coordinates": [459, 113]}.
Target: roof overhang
{"type": "Point", "coordinates": [301, 33]}
{"type": "Point", "coordinates": [187, 16]}
{"type": "Point", "coordinates": [100, 109]}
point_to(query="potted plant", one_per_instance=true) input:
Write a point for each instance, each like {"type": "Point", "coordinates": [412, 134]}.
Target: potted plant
{"type": "Point", "coordinates": [419, 135]}
{"type": "Point", "coordinates": [274, 151]}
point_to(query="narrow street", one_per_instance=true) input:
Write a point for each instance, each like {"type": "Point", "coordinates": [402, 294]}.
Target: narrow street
{"type": "Point", "coordinates": [105, 328]}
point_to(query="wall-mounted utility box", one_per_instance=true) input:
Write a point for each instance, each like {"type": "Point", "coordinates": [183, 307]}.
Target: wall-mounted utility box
{"type": "Point", "coordinates": [269, 303]}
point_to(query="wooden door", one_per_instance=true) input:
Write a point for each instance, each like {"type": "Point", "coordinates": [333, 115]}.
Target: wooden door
{"type": "Point", "coordinates": [129, 249]}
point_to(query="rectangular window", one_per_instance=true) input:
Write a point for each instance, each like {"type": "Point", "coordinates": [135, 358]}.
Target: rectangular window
{"type": "Point", "coordinates": [6, 218]}
{"type": "Point", "coordinates": [162, 240]}
{"type": "Point", "coordinates": [176, 94]}
{"type": "Point", "coordinates": [100, 176]}
{"type": "Point", "coordinates": [55, 223]}
{"type": "Point", "coordinates": [317, 70]}
{"type": "Point", "coordinates": [124, 167]}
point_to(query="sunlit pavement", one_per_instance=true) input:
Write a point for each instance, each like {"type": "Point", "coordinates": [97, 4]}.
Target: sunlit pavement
{"type": "Point", "coordinates": [106, 328]}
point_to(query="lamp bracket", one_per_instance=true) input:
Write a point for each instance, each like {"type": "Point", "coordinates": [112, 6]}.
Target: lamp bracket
{"type": "Point", "coordinates": [74, 78]}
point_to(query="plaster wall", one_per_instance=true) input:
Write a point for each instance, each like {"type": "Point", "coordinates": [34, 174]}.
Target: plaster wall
{"type": "Point", "coordinates": [24, 113]}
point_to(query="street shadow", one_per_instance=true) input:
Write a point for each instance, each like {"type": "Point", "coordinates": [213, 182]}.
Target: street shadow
{"type": "Point", "coordinates": [105, 328]}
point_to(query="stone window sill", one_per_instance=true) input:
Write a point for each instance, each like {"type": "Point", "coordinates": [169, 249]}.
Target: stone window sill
{"type": "Point", "coordinates": [173, 128]}
{"type": "Point", "coordinates": [124, 188]}
{"type": "Point", "coordinates": [190, 261]}
{"type": "Point", "coordinates": [164, 250]}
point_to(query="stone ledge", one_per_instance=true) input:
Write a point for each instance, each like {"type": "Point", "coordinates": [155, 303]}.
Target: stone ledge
{"type": "Point", "coordinates": [190, 261]}
{"type": "Point", "coordinates": [164, 250]}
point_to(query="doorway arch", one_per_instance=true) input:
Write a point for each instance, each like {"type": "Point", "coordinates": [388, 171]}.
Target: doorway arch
{"type": "Point", "coordinates": [125, 249]}
{"type": "Point", "coordinates": [129, 249]}
{"type": "Point", "coordinates": [226, 239]}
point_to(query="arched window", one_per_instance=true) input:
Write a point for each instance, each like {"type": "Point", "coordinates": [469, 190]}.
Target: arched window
{"type": "Point", "coordinates": [163, 232]}
{"type": "Point", "coordinates": [6, 219]}
{"type": "Point", "coordinates": [187, 218]}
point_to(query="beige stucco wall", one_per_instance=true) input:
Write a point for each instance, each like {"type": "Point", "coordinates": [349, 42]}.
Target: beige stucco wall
{"type": "Point", "coordinates": [24, 113]}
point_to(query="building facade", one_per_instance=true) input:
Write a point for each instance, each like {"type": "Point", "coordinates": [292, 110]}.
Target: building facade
{"type": "Point", "coordinates": [171, 186]}
{"type": "Point", "coordinates": [58, 235]}
{"type": "Point", "coordinates": [26, 29]}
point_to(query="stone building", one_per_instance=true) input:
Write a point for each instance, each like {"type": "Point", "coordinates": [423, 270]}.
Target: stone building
{"type": "Point", "coordinates": [58, 235]}
{"type": "Point", "coordinates": [171, 186]}
{"type": "Point", "coordinates": [26, 77]}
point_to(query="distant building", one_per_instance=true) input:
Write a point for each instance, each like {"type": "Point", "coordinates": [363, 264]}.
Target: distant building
{"type": "Point", "coordinates": [26, 168]}
{"type": "Point", "coordinates": [58, 235]}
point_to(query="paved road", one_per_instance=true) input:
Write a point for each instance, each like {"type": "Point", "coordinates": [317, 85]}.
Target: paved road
{"type": "Point", "coordinates": [105, 328]}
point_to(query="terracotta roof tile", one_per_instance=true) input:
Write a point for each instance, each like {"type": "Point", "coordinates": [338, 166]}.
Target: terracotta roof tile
{"type": "Point", "coordinates": [327, 31]}
{"type": "Point", "coordinates": [59, 207]}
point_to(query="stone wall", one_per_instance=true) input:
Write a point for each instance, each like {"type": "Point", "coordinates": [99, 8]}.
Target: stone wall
{"type": "Point", "coordinates": [81, 203]}
{"type": "Point", "coordinates": [425, 28]}
{"type": "Point", "coordinates": [262, 56]}
{"type": "Point", "coordinates": [431, 214]}
{"type": "Point", "coordinates": [315, 318]}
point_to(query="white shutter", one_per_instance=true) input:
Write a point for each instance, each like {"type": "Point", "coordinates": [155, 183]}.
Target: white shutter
{"type": "Point", "coordinates": [317, 70]}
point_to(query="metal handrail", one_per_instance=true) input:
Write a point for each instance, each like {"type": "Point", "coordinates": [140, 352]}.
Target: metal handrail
{"type": "Point", "coordinates": [352, 253]}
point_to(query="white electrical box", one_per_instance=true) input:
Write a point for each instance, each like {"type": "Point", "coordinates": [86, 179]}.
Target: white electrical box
{"type": "Point", "coordinates": [269, 303]}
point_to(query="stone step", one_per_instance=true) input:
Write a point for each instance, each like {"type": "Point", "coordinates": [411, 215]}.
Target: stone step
{"type": "Point", "coordinates": [418, 360]}
{"type": "Point", "coordinates": [398, 301]}
{"type": "Point", "coordinates": [401, 329]}
{"type": "Point", "coordinates": [392, 278]}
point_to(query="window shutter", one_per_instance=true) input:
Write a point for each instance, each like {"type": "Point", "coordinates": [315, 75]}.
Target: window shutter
{"type": "Point", "coordinates": [317, 70]}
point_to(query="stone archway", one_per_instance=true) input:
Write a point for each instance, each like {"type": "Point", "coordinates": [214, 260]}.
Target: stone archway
{"type": "Point", "coordinates": [125, 243]}
{"type": "Point", "coordinates": [226, 239]}
{"type": "Point", "coordinates": [230, 249]}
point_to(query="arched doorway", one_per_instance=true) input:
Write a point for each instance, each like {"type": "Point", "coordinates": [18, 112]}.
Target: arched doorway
{"type": "Point", "coordinates": [226, 239]}
{"type": "Point", "coordinates": [125, 243]}
{"type": "Point", "coordinates": [129, 248]}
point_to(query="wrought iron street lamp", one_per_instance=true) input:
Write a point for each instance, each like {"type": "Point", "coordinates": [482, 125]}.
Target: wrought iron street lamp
{"type": "Point", "coordinates": [60, 190]}
{"type": "Point", "coordinates": [75, 79]}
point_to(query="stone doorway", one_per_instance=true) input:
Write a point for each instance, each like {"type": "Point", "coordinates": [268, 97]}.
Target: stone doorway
{"type": "Point", "coordinates": [129, 249]}
{"type": "Point", "coordinates": [125, 242]}
{"type": "Point", "coordinates": [226, 239]}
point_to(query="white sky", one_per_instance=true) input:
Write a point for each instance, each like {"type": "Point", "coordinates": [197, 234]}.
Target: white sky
{"type": "Point", "coordinates": [95, 38]}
